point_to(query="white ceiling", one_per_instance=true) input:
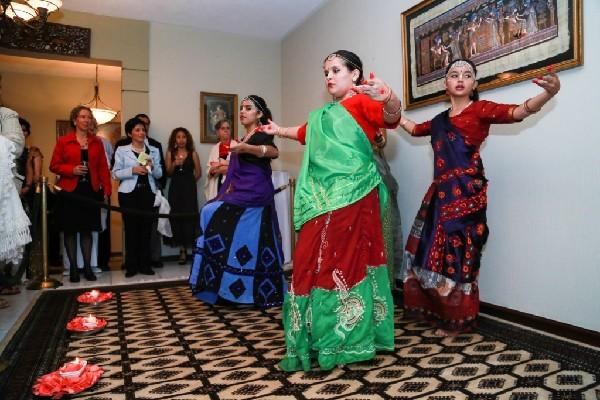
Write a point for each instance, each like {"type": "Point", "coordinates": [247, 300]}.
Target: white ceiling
{"type": "Point", "coordinates": [267, 19]}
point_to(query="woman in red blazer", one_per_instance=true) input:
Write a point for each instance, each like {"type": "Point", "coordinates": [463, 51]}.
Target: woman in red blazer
{"type": "Point", "coordinates": [80, 163]}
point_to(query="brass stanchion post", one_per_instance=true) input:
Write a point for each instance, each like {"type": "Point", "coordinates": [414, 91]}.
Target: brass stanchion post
{"type": "Point", "coordinates": [45, 282]}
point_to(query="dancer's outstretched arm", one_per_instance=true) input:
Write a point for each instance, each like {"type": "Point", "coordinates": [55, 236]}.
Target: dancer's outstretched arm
{"type": "Point", "coordinates": [551, 85]}
{"type": "Point", "coordinates": [273, 129]}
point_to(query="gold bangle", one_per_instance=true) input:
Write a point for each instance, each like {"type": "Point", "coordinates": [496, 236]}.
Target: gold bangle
{"type": "Point", "coordinates": [263, 150]}
{"type": "Point", "coordinates": [529, 110]}
{"type": "Point", "coordinates": [392, 114]}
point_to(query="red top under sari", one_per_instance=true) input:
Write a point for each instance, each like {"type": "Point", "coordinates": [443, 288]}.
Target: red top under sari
{"type": "Point", "coordinates": [365, 111]}
{"type": "Point", "coordinates": [475, 120]}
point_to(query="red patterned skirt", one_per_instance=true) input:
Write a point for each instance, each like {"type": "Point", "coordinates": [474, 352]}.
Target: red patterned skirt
{"type": "Point", "coordinates": [443, 257]}
{"type": "Point", "coordinates": [348, 239]}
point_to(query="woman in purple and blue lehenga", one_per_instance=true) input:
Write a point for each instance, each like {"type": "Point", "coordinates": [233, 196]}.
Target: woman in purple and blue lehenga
{"type": "Point", "coordinates": [443, 251]}
{"type": "Point", "coordinates": [238, 255]}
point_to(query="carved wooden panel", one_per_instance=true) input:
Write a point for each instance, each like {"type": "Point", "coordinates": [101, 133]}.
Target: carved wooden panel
{"type": "Point", "coordinates": [65, 40]}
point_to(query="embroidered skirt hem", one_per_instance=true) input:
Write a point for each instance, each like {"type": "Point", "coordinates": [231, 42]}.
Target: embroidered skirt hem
{"type": "Point", "coordinates": [453, 309]}
{"type": "Point", "coordinates": [339, 326]}
{"type": "Point", "coordinates": [238, 256]}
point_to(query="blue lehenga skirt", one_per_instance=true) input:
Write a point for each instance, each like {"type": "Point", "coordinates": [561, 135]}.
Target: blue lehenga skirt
{"type": "Point", "coordinates": [238, 256]}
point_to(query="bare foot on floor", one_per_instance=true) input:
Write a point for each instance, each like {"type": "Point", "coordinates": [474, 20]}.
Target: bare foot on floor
{"type": "Point", "coordinates": [445, 333]}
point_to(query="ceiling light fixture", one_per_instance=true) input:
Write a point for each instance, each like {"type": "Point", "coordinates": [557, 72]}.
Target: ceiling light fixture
{"type": "Point", "coordinates": [100, 110]}
{"type": "Point", "coordinates": [28, 11]}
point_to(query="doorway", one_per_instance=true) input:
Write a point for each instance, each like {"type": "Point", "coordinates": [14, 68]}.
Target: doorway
{"type": "Point", "coordinates": [43, 91]}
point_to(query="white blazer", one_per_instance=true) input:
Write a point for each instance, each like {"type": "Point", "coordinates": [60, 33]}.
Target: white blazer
{"type": "Point", "coordinates": [125, 160]}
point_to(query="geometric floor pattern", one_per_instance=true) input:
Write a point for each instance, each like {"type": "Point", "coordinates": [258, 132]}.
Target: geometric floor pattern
{"type": "Point", "coordinates": [162, 344]}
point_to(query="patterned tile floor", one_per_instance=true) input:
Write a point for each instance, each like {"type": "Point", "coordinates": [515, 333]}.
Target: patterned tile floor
{"type": "Point", "coordinates": [19, 305]}
{"type": "Point", "coordinates": [161, 344]}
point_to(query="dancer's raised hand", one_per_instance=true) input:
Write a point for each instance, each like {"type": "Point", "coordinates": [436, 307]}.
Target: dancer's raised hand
{"type": "Point", "coordinates": [549, 82]}
{"type": "Point", "coordinates": [270, 129]}
{"type": "Point", "coordinates": [375, 88]}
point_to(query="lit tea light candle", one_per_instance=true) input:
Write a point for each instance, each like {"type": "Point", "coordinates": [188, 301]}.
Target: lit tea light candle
{"type": "Point", "coordinates": [73, 369]}
{"type": "Point", "coordinates": [94, 296]}
{"type": "Point", "coordinates": [90, 320]}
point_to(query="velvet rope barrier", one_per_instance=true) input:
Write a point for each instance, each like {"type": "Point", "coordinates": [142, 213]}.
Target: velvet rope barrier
{"type": "Point", "coordinates": [58, 190]}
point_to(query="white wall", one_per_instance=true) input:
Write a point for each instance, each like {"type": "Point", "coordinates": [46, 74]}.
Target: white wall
{"type": "Point", "coordinates": [184, 62]}
{"type": "Point", "coordinates": [543, 255]}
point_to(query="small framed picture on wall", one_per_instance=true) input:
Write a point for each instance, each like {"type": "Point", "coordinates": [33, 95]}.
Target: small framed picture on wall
{"type": "Point", "coordinates": [215, 107]}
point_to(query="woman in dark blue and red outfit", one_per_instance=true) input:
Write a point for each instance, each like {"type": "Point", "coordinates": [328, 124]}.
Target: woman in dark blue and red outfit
{"type": "Point", "coordinates": [444, 247]}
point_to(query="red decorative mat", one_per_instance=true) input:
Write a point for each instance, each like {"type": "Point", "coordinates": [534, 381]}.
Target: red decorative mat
{"type": "Point", "coordinates": [56, 385]}
{"type": "Point", "coordinates": [84, 324]}
{"type": "Point", "coordinates": [94, 296]}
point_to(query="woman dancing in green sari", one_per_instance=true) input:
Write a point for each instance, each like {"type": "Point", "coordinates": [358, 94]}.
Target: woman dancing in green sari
{"type": "Point", "coordinates": [339, 307]}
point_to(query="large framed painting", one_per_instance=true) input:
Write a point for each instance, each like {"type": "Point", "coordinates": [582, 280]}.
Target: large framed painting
{"type": "Point", "coordinates": [213, 108]}
{"type": "Point", "coordinates": [508, 40]}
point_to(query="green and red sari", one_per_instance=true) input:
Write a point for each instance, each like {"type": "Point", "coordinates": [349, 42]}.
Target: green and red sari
{"type": "Point", "coordinates": [339, 307]}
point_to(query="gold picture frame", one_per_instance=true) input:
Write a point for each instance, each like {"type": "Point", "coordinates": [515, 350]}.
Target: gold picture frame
{"type": "Point", "coordinates": [509, 41]}
{"type": "Point", "coordinates": [213, 108]}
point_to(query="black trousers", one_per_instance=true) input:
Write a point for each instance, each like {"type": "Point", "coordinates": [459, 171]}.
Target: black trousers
{"type": "Point", "coordinates": [137, 228]}
{"type": "Point", "coordinates": [104, 243]}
